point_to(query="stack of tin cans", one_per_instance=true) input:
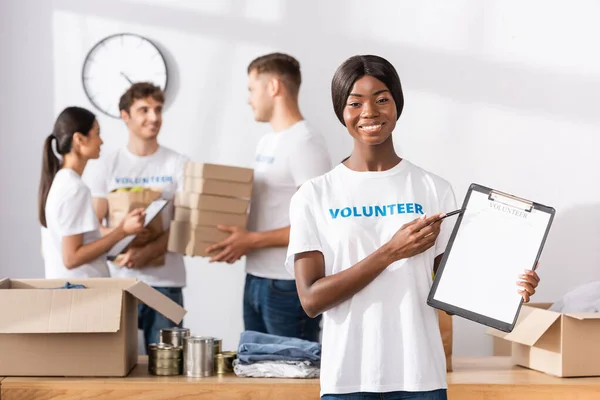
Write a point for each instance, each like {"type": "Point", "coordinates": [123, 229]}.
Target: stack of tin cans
{"type": "Point", "coordinates": [179, 353]}
{"type": "Point", "coordinates": [164, 359]}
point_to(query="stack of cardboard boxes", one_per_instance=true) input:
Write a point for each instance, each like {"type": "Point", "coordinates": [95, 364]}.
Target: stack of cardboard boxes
{"type": "Point", "coordinates": [212, 195]}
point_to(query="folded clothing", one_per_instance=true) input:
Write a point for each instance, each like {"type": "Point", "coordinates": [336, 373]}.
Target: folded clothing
{"type": "Point", "coordinates": [584, 298]}
{"type": "Point", "coordinates": [276, 369]}
{"type": "Point", "coordinates": [256, 346]}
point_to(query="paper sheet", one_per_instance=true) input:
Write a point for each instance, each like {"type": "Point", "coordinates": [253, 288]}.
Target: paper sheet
{"type": "Point", "coordinates": [494, 245]}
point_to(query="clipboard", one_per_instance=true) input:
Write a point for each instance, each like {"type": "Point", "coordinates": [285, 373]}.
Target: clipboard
{"type": "Point", "coordinates": [495, 238]}
{"type": "Point", "coordinates": [152, 211]}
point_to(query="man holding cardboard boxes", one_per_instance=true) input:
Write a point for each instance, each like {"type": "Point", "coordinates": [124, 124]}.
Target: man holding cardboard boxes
{"type": "Point", "coordinates": [285, 158]}
{"type": "Point", "coordinates": [132, 177]}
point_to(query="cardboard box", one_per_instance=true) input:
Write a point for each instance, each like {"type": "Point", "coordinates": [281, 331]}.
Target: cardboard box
{"type": "Point", "coordinates": [211, 203]}
{"type": "Point", "coordinates": [210, 218]}
{"type": "Point", "coordinates": [208, 234]}
{"type": "Point", "coordinates": [219, 172]}
{"type": "Point", "coordinates": [198, 249]}
{"type": "Point", "coordinates": [501, 347]}
{"type": "Point", "coordinates": [124, 200]}
{"type": "Point", "coordinates": [51, 331]}
{"type": "Point", "coordinates": [446, 331]}
{"type": "Point", "coordinates": [564, 345]}
{"type": "Point", "coordinates": [179, 237]}
{"type": "Point", "coordinates": [218, 188]}
{"type": "Point", "coordinates": [186, 239]}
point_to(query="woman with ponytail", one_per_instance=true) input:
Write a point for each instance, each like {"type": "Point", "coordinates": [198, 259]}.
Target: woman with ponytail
{"type": "Point", "coordinates": [71, 241]}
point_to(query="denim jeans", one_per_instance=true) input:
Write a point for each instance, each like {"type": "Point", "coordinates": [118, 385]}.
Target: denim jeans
{"type": "Point", "coordinates": [151, 322]}
{"type": "Point", "coordinates": [432, 395]}
{"type": "Point", "coordinates": [273, 306]}
{"type": "Point", "coordinates": [259, 346]}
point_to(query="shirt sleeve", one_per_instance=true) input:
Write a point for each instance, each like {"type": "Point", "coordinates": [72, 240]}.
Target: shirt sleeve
{"type": "Point", "coordinates": [76, 213]}
{"type": "Point", "coordinates": [304, 235]}
{"type": "Point", "coordinates": [447, 204]}
{"type": "Point", "coordinates": [95, 177]}
{"type": "Point", "coordinates": [308, 159]}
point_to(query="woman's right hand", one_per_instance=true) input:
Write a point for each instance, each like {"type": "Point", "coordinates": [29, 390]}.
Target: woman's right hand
{"type": "Point", "coordinates": [414, 237]}
{"type": "Point", "coordinates": [134, 222]}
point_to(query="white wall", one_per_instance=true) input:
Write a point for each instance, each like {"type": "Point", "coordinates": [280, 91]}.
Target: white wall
{"type": "Point", "coordinates": [499, 93]}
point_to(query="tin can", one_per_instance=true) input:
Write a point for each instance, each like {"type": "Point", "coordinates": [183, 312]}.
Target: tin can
{"type": "Point", "coordinates": [217, 344]}
{"type": "Point", "coordinates": [224, 362]}
{"type": "Point", "coordinates": [198, 356]}
{"type": "Point", "coordinates": [164, 359]}
{"type": "Point", "coordinates": [174, 336]}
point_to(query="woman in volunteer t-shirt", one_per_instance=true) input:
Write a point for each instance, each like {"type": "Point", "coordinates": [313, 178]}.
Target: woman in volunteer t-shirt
{"type": "Point", "coordinates": [72, 245]}
{"type": "Point", "coordinates": [363, 246]}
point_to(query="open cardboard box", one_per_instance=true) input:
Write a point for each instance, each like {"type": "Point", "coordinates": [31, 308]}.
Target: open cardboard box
{"type": "Point", "coordinates": [46, 330]}
{"type": "Point", "coordinates": [563, 345]}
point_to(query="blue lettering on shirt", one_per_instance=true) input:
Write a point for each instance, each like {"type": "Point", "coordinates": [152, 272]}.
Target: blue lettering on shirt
{"type": "Point", "coordinates": [146, 180]}
{"type": "Point", "coordinates": [376, 210]}
{"type": "Point", "coordinates": [265, 159]}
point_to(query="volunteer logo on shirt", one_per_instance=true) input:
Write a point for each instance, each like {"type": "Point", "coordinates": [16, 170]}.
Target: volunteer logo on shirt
{"type": "Point", "coordinates": [143, 180]}
{"type": "Point", "coordinates": [265, 159]}
{"type": "Point", "coordinates": [376, 210]}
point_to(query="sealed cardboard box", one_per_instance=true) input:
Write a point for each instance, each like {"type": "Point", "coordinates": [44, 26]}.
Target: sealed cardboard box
{"type": "Point", "coordinates": [211, 203]}
{"type": "Point", "coordinates": [564, 345]}
{"type": "Point", "coordinates": [208, 234]}
{"type": "Point", "coordinates": [210, 218]}
{"type": "Point", "coordinates": [192, 240]}
{"type": "Point", "coordinates": [218, 188]}
{"type": "Point", "coordinates": [219, 172]}
{"type": "Point", "coordinates": [51, 329]}
{"type": "Point", "coordinates": [179, 236]}
{"type": "Point", "coordinates": [198, 249]}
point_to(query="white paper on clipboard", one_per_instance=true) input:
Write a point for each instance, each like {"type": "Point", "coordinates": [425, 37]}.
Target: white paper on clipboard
{"type": "Point", "coordinates": [495, 242]}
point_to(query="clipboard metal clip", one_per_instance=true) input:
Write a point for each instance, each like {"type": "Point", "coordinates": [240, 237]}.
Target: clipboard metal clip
{"type": "Point", "coordinates": [510, 200]}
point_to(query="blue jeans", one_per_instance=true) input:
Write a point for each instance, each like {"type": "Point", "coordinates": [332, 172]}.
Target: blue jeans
{"type": "Point", "coordinates": [259, 346]}
{"type": "Point", "coordinates": [432, 395]}
{"type": "Point", "coordinates": [273, 306]}
{"type": "Point", "coordinates": [151, 322]}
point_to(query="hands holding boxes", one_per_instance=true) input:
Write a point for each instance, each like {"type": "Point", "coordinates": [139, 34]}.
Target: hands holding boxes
{"type": "Point", "coordinates": [214, 196]}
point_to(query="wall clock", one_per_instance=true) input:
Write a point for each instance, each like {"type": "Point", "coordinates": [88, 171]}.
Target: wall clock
{"type": "Point", "coordinates": [115, 63]}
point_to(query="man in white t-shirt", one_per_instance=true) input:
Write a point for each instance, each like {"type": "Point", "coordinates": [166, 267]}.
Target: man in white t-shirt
{"type": "Point", "coordinates": [143, 162]}
{"type": "Point", "coordinates": [291, 154]}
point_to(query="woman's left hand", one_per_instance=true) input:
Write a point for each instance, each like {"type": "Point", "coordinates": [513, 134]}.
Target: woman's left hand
{"type": "Point", "coordinates": [528, 281]}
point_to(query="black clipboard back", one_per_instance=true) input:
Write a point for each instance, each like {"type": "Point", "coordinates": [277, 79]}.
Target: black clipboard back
{"type": "Point", "coordinates": [506, 199]}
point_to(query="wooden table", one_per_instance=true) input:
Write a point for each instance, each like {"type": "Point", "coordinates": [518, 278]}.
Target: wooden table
{"type": "Point", "coordinates": [494, 378]}
{"type": "Point", "coordinates": [487, 378]}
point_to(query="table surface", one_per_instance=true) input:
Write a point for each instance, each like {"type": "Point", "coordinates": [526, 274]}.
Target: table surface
{"type": "Point", "coordinates": [472, 378]}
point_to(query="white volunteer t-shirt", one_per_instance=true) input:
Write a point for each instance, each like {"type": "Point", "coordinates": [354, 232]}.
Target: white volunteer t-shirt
{"type": "Point", "coordinates": [69, 211]}
{"type": "Point", "coordinates": [385, 338]}
{"type": "Point", "coordinates": [284, 161]}
{"type": "Point", "coordinates": [163, 170]}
